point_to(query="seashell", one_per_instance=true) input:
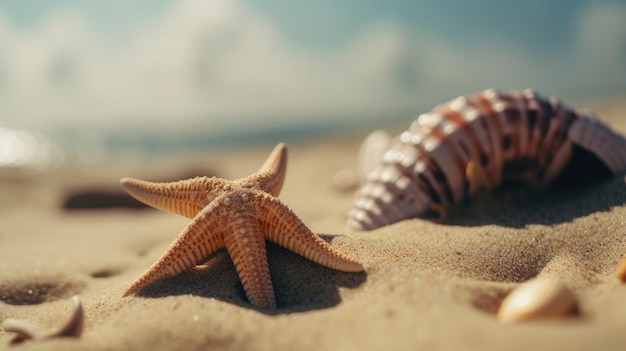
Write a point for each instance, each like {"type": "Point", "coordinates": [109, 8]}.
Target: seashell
{"type": "Point", "coordinates": [539, 298]}
{"type": "Point", "coordinates": [371, 152]}
{"type": "Point", "coordinates": [345, 180]}
{"type": "Point", "coordinates": [73, 327]}
{"type": "Point", "coordinates": [621, 271]}
{"type": "Point", "coordinates": [478, 141]}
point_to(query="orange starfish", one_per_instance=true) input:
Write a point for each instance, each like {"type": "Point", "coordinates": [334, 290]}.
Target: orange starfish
{"type": "Point", "coordinates": [238, 215]}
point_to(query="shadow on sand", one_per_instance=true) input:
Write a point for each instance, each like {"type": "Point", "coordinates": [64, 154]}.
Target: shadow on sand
{"type": "Point", "coordinates": [584, 187]}
{"type": "Point", "coordinates": [299, 284]}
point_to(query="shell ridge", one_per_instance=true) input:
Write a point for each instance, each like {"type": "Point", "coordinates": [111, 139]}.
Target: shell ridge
{"type": "Point", "coordinates": [495, 171]}
{"type": "Point", "coordinates": [510, 135]}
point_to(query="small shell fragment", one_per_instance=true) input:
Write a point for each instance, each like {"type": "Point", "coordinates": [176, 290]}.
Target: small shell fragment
{"type": "Point", "coordinates": [73, 327]}
{"type": "Point", "coordinates": [345, 180]}
{"type": "Point", "coordinates": [621, 271]}
{"type": "Point", "coordinates": [537, 299]}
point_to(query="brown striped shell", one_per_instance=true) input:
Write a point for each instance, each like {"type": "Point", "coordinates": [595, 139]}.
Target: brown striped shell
{"type": "Point", "coordinates": [486, 138]}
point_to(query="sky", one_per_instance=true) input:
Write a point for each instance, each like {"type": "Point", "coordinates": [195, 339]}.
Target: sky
{"type": "Point", "coordinates": [226, 65]}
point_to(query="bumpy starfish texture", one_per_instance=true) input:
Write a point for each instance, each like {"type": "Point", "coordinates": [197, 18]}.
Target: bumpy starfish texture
{"type": "Point", "coordinates": [238, 215]}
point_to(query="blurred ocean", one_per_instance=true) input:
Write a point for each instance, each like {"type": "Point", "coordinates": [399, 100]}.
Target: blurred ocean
{"type": "Point", "coordinates": [34, 152]}
{"type": "Point", "coordinates": [88, 81]}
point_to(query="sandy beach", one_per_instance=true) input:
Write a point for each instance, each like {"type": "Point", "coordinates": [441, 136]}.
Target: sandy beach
{"type": "Point", "coordinates": [428, 285]}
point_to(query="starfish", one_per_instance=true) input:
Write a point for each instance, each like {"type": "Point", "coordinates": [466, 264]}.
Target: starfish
{"type": "Point", "coordinates": [238, 215]}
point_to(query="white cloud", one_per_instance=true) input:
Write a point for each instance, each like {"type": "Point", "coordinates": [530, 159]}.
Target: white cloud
{"type": "Point", "coordinates": [214, 60]}
{"type": "Point", "coordinates": [220, 62]}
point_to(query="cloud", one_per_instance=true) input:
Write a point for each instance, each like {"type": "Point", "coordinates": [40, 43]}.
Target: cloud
{"type": "Point", "coordinates": [210, 60]}
{"type": "Point", "coordinates": [220, 65]}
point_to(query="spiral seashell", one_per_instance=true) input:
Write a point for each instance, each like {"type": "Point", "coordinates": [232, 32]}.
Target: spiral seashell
{"type": "Point", "coordinates": [478, 141]}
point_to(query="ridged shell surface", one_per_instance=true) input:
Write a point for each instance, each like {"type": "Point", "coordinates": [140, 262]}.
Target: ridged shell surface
{"type": "Point", "coordinates": [495, 136]}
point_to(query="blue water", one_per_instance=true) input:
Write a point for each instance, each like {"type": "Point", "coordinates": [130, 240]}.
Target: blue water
{"type": "Point", "coordinates": [36, 151]}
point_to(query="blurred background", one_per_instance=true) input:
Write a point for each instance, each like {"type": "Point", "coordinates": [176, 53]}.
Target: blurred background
{"type": "Point", "coordinates": [86, 80]}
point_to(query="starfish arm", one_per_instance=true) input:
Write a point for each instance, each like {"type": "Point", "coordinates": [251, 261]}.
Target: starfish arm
{"type": "Point", "coordinates": [200, 239]}
{"type": "Point", "coordinates": [186, 197]}
{"type": "Point", "coordinates": [284, 228]}
{"type": "Point", "coordinates": [271, 176]}
{"type": "Point", "coordinates": [246, 247]}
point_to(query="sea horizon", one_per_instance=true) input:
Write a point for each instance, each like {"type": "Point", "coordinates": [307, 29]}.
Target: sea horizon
{"type": "Point", "coordinates": [34, 151]}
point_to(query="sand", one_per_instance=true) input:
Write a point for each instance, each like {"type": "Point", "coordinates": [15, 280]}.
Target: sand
{"type": "Point", "coordinates": [427, 285]}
